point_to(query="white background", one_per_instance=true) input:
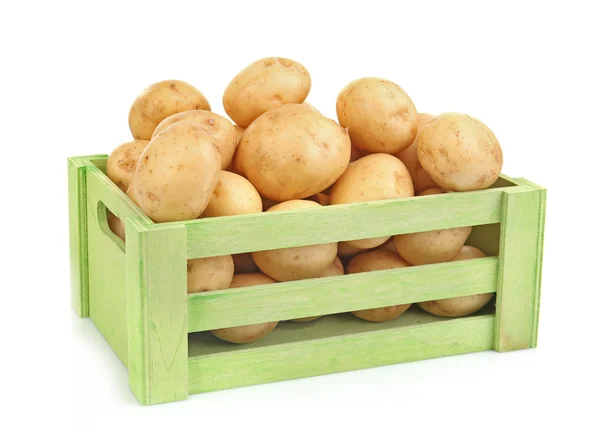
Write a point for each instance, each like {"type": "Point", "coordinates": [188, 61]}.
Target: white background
{"type": "Point", "coordinates": [529, 70]}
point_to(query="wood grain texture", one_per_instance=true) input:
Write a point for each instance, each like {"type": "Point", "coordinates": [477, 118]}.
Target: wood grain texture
{"type": "Point", "coordinates": [157, 312]}
{"type": "Point", "coordinates": [297, 299]}
{"type": "Point", "coordinates": [340, 353]}
{"type": "Point", "coordinates": [521, 246]}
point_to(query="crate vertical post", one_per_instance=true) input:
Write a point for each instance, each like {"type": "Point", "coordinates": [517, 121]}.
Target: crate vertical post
{"type": "Point", "coordinates": [520, 265]}
{"type": "Point", "coordinates": [157, 318]}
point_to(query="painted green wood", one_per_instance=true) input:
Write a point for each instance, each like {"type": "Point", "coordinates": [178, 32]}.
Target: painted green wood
{"type": "Point", "coordinates": [521, 246]}
{"type": "Point", "coordinates": [157, 312]}
{"type": "Point", "coordinates": [317, 296]}
{"type": "Point", "coordinates": [486, 238]}
{"type": "Point", "coordinates": [340, 353]}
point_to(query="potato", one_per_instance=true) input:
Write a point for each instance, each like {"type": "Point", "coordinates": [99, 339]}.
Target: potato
{"type": "Point", "coordinates": [432, 191]}
{"type": "Point", "coordinates": [459, 152]}
{"type": "Point", "coordinates": [335, 269]}
{"type": "Point", "coordinates": [121, 163]}
{"type": "Point", "coordinates": [159, 101]}
{"type": "Point", "coordinates": [460, 306]}
{"type": "Point", "coordinates": [345, 250]}
{"type": "Point", "coordinates": [320, 198]}
{"type": "Point", "coordinates": [297, 263]}
{"type": "Point", "coordinates": [209, 273]}
{"type": "Point", "coordinates": [379, 114]}
{"type": "Point", "coordinates": [378, 260]}
{"type": "Point", "coordinates": [421, 179]}
{"type": "Point", "coordinates": [292, 152]}
{"type": "Point", "coordinates": [311, 107]}
{"type": "Point", "coordinates": [431, 246]}
{"type": "Point", "coordinates": [244, 263]}
{"type": "Point", "coordinates": [268, 203]}
{"type": "Point", "coordinates": [238, 133]}
{"type": "Point", "coordinates": [233, 195]}
{"type": "Point", "coordinates": [116, 225]}
{"type": "Point", "coordinates": [218, 127]}
{"type": "Point", "coordinates": [177, 173]}
{"type": "Point", "coordinates": [355, 154]}
{"type": "Point", "coordinates": [263, 85]}
{"type": "Point", "coordinates": [247, 333]}
{"type": "Point", "coordinates": [371, 178]}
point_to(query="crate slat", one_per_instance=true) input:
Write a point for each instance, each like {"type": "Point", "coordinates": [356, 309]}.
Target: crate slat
{"type": "Point", "coordinates": [340, 353]}
{"type": "Point", "coordinates": [319, 296]}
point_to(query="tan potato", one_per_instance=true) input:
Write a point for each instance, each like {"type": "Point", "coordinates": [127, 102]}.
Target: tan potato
{"type": "Point", "coordinates": [116, 225]}
{"type": "Point", "coordinates": [432, 191]}
{"type": "Point", "coordinates": [292, 152]}
{"type": "Point", "coordinates": [320, 198]}
{"type": "Point", "coordinates": [244, 263]}
{"type": "Point", "coordinates": [177, 173]}
{"type": "Point", "coordinates": [345, 250]}
{"type": "Point", "coordinates": [431, 246]}
{"type": "Point", "coordinates": [239, 131]}
{"type": "Point", "coordinates": [459, 152]}
{"type": "Point", "coordinates": [355, 154]}
{"type": "Point", "coordinates": [378, 260]}
{"type": "Point", "coordinates": [159, 101]}
{"type": "Point", "coordinates": [389, 245]}
{"type": "Point", "coordinates": [263, 85]}
{"type": "Point", "coordinates": [379, 114]}
{"type": "Point", "coordinates": [247, 333]}
{"type": "Point", "coordinates": [233, 195]}
{"type": "Point", "coordinates": [460, 306]}
{"type": "Point", "coordinates": [218, 127]}
{"type": "Point", "coordinates": [121, 163]}
{"type": "Point", "coordinates": [131, 193]}
{"type": "Point", "coordinates": [209, 273]}
{"type": "Point", "coordinates": [371, 178]}
{"type": "Point", "coordinates": [268, 203]}
{"type": "Point", "coordinates": [335, 269]}
{"type": "Point", "coordinates": [421, 179]}
{"type": "Point", "coordinates": [311, 107]}
{"type": "Point", "coordinates": [295, 263]}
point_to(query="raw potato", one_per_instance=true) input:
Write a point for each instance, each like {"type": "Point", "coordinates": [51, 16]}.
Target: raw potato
{"type": "Point", "coordinates": [235, 165]}
{"type": "Point", "coordinates": [209, 273]}
{"type": "Point", "coordinates": [460, 306]}
{"type": "Point", "coordinates": [177, 173]}
{"type": "Point", "coordinates": [239, 131]}
{"type": "Point", "coordinates": [116, 225]}
{"type": "Point", "coordinates": [244, 263]}
{"type": "Point", "coordinates": [355, 154]}
{"type": "Point", "coordinates": [297, 263]}
{"type": "Point", "coordinates": [292, 152]}
{"type": "Point", "coordinates": [432, 191]}
{"type": "Point", "coordinates": [218, 127]}
{"type": "Point", "coordinates": [268, 203]}
{"type": "Point", "coordinates": [265, 84]}
{"type": "Point", "coordinates": [233, 195]}
{"type": "Point", "coordinates": [345, 250]}
{"type": "Point", "coordinates": [379, 114]}
{"type": "Point", "coordinates": [371, 178]}
{"type": "Point", "coordinates": [421, 179]}
{"type": "Point", "coordinates": [335, 269]}
{"type": "Point", "coordinates": [159, 101]}
{"type": "Point", "coordinates": [378, 260]}
{"type": "Point", "coordinates": [121, 163]}
{"type": "Point", "coordinates": [247, 333]}
{"type": "Point", "coordinates": [459, 152]}
{"type": "Point", "coordinates": [311, 107]}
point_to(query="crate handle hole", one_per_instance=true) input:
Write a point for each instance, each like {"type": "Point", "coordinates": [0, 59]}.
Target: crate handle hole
{"type": "Point", "coordinates": [110, 224]}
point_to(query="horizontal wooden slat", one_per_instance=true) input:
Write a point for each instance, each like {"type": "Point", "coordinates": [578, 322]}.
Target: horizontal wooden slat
{"type": "Point", "coordinates": [256, 232]}
{"type": "Point", "coordinates": [282, 301]}
{"type": "Point", "coordinates": [340, 353]}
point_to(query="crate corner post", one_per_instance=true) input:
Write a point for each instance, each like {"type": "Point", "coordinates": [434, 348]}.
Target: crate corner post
{"type": "Point", "coordinates": [520, 268]}
{"type": "Point", "coordinates": [157, 315]}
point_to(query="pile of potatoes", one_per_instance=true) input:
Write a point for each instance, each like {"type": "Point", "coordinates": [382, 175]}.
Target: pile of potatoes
{"type": "Point", "coordinates": [280, 153]}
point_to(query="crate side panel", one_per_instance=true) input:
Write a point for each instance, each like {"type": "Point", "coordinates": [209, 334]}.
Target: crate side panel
{"type": "Point", "coordinates": [282, 301]}
{"type": "Point", "coordinates": [256, 232]}
{"type": "Point", "coordinates": [486, 238]}
{"type": "Point", "coordinates": [520, 259]}
{"type": "Point", "coordinates": [338, 354]}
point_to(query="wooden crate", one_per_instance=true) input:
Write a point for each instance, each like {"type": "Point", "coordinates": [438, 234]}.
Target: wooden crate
{"type": "Point", "coordinates": [135, 292]}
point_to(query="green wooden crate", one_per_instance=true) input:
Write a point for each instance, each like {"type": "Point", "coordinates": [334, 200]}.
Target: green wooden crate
{"type": "Point", "coordinates": [135, 292]}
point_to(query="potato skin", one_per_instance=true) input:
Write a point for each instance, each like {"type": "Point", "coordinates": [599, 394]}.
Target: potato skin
{"type": "Point", "coordinates": [379, 114]}
{"type": "Point", "coordinates": [297, 263]}
{"type": "Point", "coordinates": [116, 225]}
{"type": "Point", "coordinates": [209, 273]}
{"type": "Point", "coordinates": [378, 260]}
{"type": "Point", "coordinates": [121, 163]}
{"type": "Point", "coordinates": [459, 152]}
{"type": "Point", "coordinates": [247, 333]}
{"type": "Point", "coordinates": [218, 127]}
{"type": "Point", "coordinates": [263, 85]}
{"type": "Point", "coordinates": [421, 179]}
{"type": "Point", "coordinates": [159, 101]}
{"type": "Point", "coordinates": [244, 263]}
{"type": "Point", "coordinates": [292, 152]}
{"type": "Point", "coordinates": [371, 178]}
{"type": "Point", "coordinates": [177, 173]}
{"type": "Point", "coordinates": [460, 306]}
{"type": "Point", "coordinates": [233, 195]}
